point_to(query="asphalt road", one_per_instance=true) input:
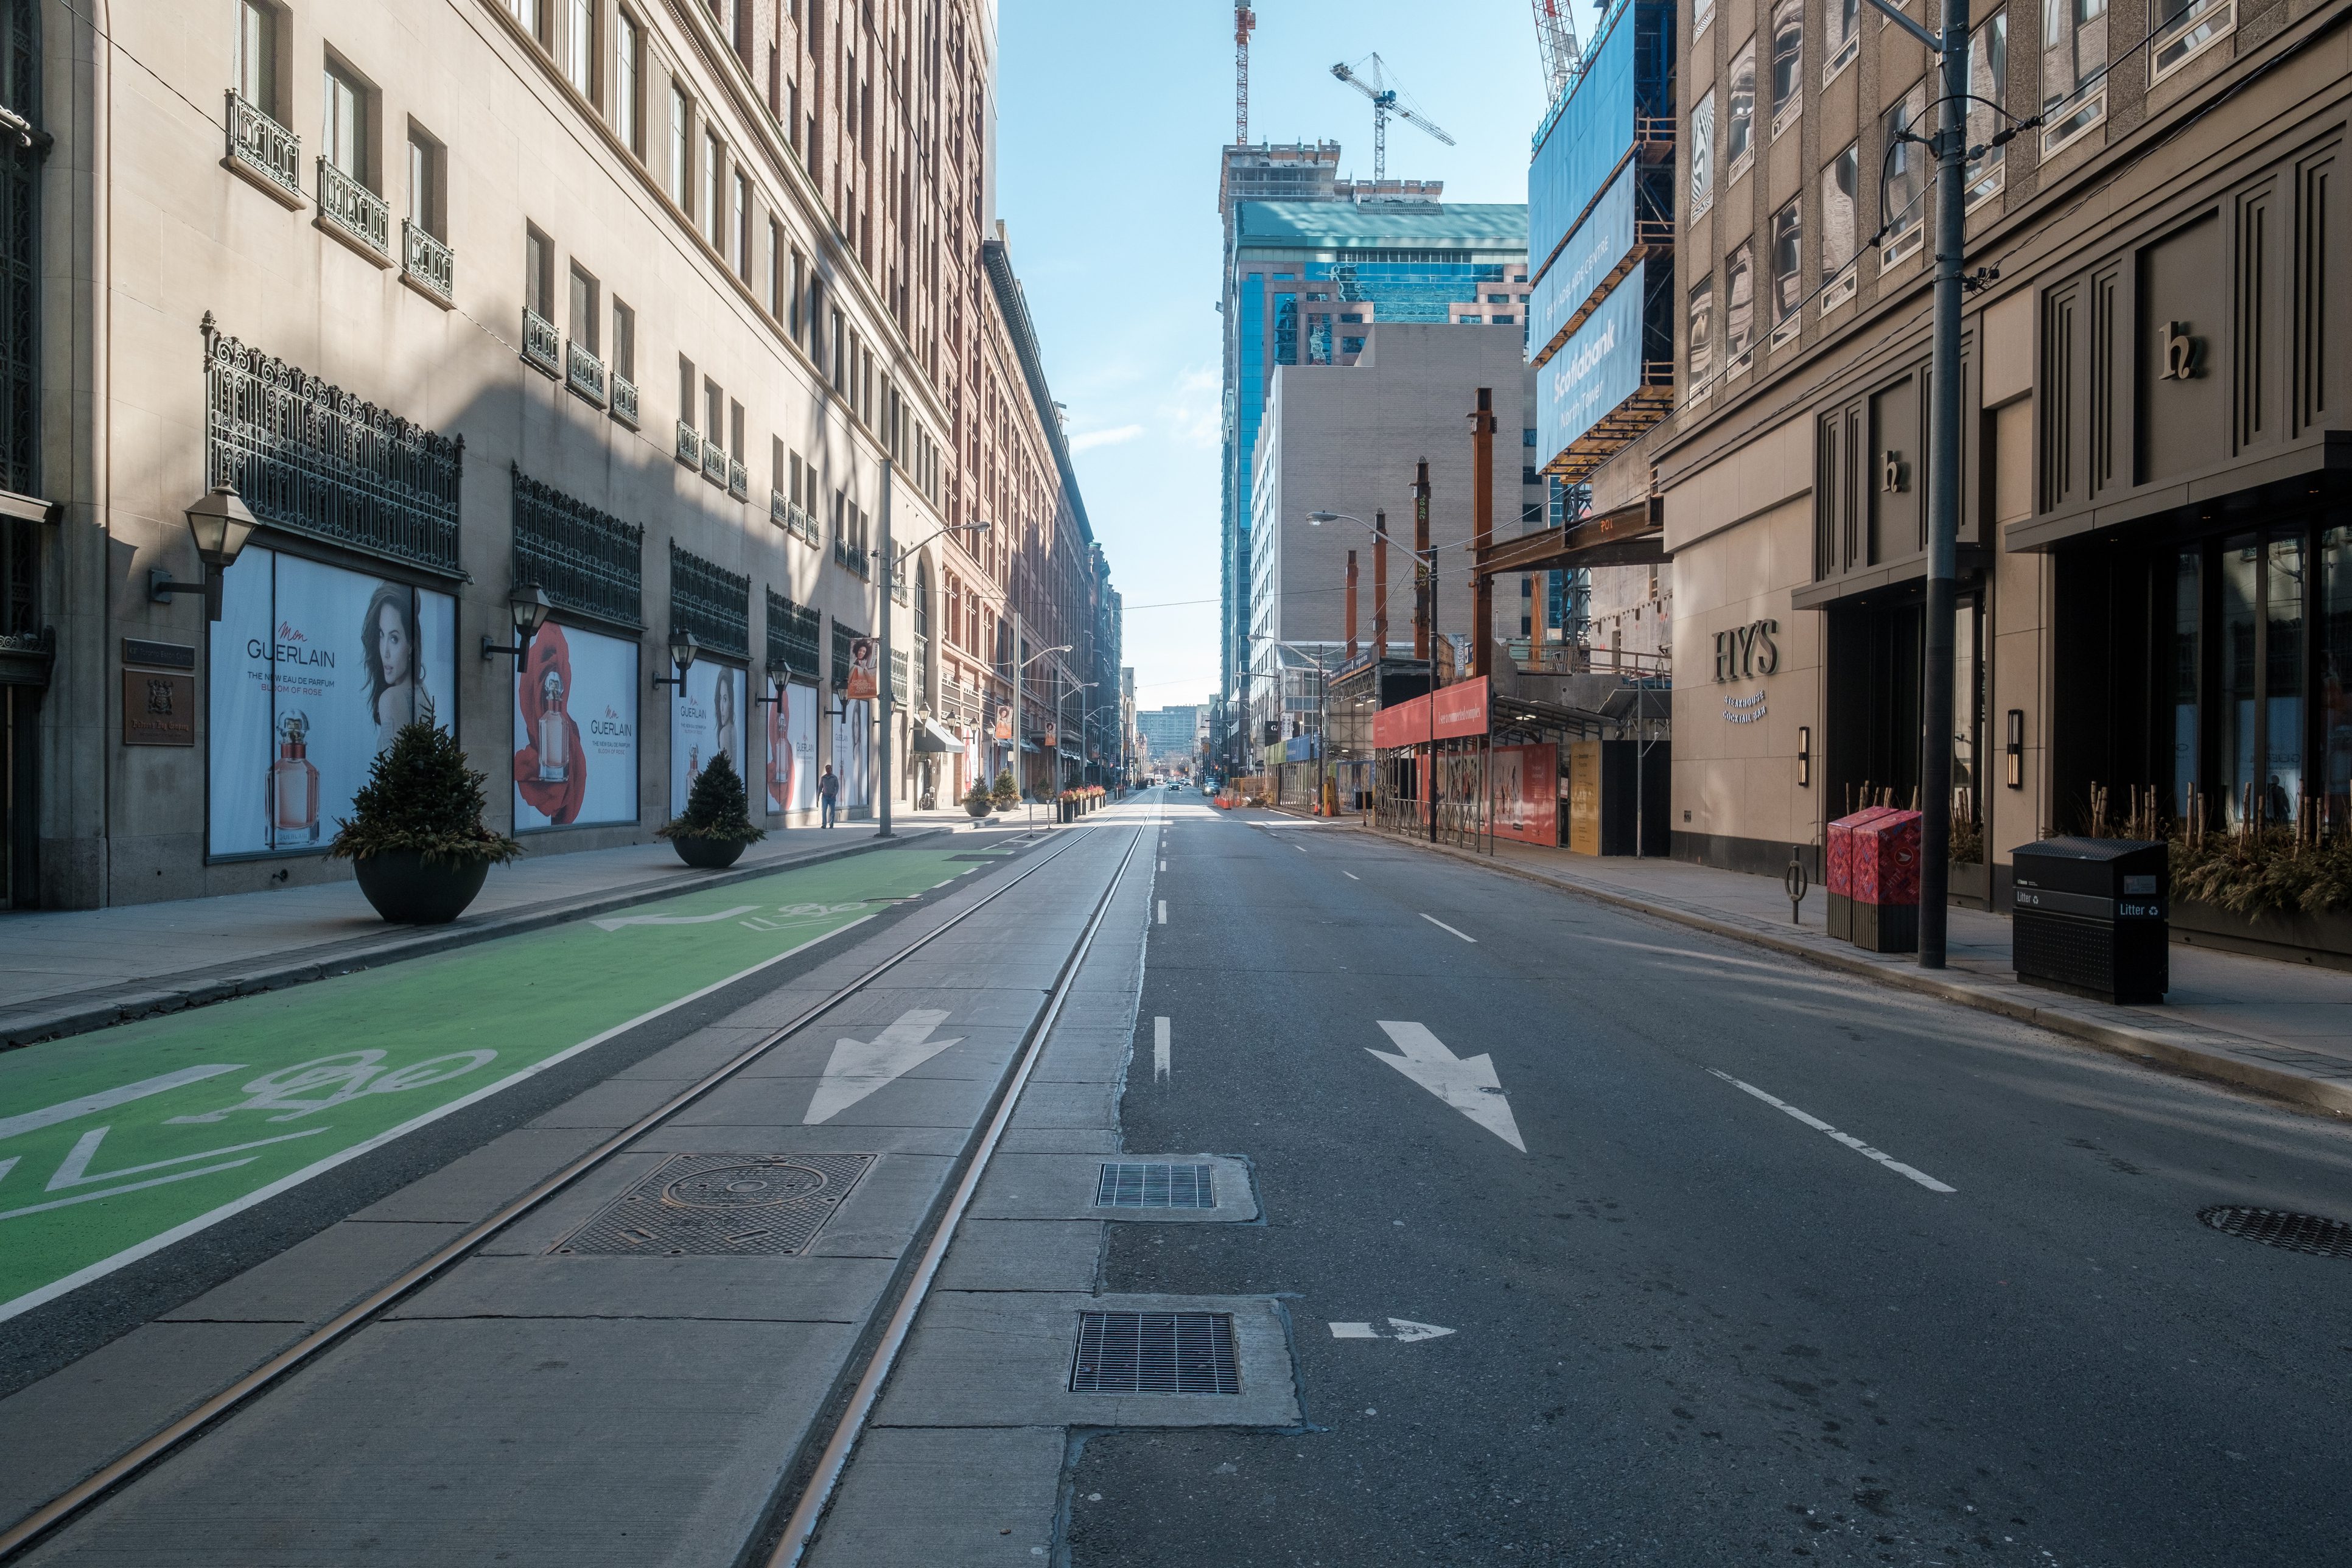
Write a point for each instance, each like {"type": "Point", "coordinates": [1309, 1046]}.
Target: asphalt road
{"type": "Point", "coordinates": [1689, 1326]}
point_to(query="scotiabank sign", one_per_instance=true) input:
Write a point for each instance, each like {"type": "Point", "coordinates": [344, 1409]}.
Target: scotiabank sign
{"type": "Point", "coordinates": [1461, 711]}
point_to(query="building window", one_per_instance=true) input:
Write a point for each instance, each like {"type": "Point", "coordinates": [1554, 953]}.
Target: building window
{"type": "Point", "coordinates": [1701, 12]}
{"type": "Point", "coordinates": [580, 47]}
{"type": "Point", "coordinates": [256, 56]}
{"type": "Point", "coordinates": [1904, 196]}
{"type": "Point", "coordinates": [714, 154]}
{"type": "Point", "coordinates": [1702, 155]}
{"type": "Point", "coordinates": [714, 411]}
{"type": "Point", "coordinates": [585, 316]}
{"type": "Point", "coordinates": [1787, 61]}
{"type": "Point", "coordinates": [743, 227]}
{"type": "Point", "coordinates": [625, 342]}
{"type": "Point", "coordinates": [2074, 63]}
{"type": "Point", "coordinates": [799, 294]}
{"type": "Point", "coordinates": [681, 151]}
{"type": "Point", "coordinates": [528, 12]}
{"type": "Point", "coordinates": [1702, 339]}
{"type": "Point", "coordinates": [775, 270]}
{"type": "Point", "coordinates": [734, 429]}
{"type": "Point", "coordinates": [1841, 20]}
{"type": "Point", "coordinates": [1738, 308]}
{"type": "Point", "coordinates": [629, 66]}
{"type": "Point", "coordinates": [1740, 145]}
{"type": "Point", "coordinates": [343, 140]}
{"type": "Point", "coordinates": [427, 204]}
{"type": "Point", "coordinates": [538, 274]}
{"type": "Point", "coordinates": [1351, 345]}
{"type": "Point", "coordinates": [686, 383]}
{"type": "Point", "coordinates": [1787, 269]}
{"type": "Point", "coordinates": [1840, 237]}
{"type": "Point", "coordinates": [2188, 29]}
{"type": "Point", "coordinates": [1988, 80]}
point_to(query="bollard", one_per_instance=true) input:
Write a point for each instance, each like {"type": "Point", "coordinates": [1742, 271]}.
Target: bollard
{"type": "Point", "coordinates": [1795, 880]}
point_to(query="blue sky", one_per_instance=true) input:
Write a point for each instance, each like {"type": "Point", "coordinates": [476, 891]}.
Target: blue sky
{"type": "Point", "coordinates": [1111, 115]}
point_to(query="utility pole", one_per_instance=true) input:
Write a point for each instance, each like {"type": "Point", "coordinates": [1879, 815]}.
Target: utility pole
{"type": "Point", "coordinates": [882, 682]}
{"type": "Point", "coordinates": [1482, 524]}
{"type": "Point", "coordinates": [1424, 567]}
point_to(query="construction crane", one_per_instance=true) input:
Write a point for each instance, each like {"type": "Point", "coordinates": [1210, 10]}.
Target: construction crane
{"type": "Point", "coordinates": [1245, 23]}
{"type": "Point", "coordinates": [1384, 103]}
{"type": "Point", "coordinates": [1556, 36]}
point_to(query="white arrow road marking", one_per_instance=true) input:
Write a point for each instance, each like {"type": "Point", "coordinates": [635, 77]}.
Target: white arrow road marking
{"type": "Point", "coordinates": [1466, 1083]}
{"type": "Point", "coordinates": [1441, 925]}
{"type": "Point", "coordinates": [615, 922]}
{"type": "Point", "coordinates": [1848, 1139]}
{"type": "Point", "coordinates": [1404, 1331]}
{"type": "Point", "coordinates": [107, 1100]}
{"type": "Point", "coordinates": [859, 1069]}
{"type": "Point", "coordinates": [1158, 1049]}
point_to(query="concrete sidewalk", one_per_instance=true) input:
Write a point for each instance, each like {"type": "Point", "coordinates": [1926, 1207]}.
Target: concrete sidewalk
{"type": "Point", "coordinates": [67, 972]}
{"type": "Point", "coordinates": [2282, 1028]}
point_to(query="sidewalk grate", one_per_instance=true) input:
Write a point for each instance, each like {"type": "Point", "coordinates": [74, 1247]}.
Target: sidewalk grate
{"type": "Point", "coordinates": [1155, 1352]}
{"type": "Point", "coordinates": [2308, 1233]}
{"type": "Point", "coordinates": [1149, 1186]}
{"type": "Point", "coordinates": [722, 1206]}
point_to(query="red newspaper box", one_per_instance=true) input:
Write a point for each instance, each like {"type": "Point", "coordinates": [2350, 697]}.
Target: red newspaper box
{"type": "Point", "coordinates": [1837, 872]}
{"type": "Point", "coordinates": [1885, 854]}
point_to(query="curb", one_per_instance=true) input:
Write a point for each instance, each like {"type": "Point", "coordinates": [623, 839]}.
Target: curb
{"type": "Point", "coordinates": [204, 986]}
{"type": "Point", "coordinates": [2222, 1063]}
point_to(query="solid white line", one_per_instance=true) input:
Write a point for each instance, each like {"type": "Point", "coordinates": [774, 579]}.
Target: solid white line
{"type": "Point", "coordinates": [1158, 1049]}
{"type": "Point", "coordinates": [1163, 911]}
{"type": "Point", "coordinates": [1351, 876]}
{"type": "Point", "coordinates": [154, 1244]}
{"type": "Point", "coordinates": [1441, 925]}
{"type": "Point", "coordinates": [1851, 1141]}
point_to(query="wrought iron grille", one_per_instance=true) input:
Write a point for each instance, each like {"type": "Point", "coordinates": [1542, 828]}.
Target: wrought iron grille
{"type": "Point", "coordinates": [793, 632]}
{"type": "Point", "coordinates": [585, 560]}
{"type": "Point", "coordinates": [542, 345]}
{"type": "Point", "coordinates": [263, 145]}
{"type": "Point", "coordinates": [714, 462]}
{"type": "Point", "coordinates": [842, 637]}
{"type": "Point", "coordinates": [899, 690]}
{"type": "Point", "coordinates": [689, 444]}
{"type": "Point", "coordinates": [353, 208]}
{"type": "Point", "coordinates": [313, 460]}
{"type": "Point", "coordinates": [585, 372]}
{"type": "Point", "coordinates": [711, 601]}
{"type": "Point", "coordinates": [739, 480]}
{"type": "Point", "coordinates": [625, 401]}
{"type": "Point", "coordinates": [427, 262]}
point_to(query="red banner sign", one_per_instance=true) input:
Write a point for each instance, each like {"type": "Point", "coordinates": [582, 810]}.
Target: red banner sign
{"type": "Point", "coordinates": [1461, 712]}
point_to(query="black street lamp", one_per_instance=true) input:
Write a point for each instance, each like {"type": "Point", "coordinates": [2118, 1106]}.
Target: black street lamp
{"type": "Point", "coordinates": [527, 604]}
{"type": "Point", "coordinates": [682, 649]}
{"type": "Point", "coordinates": [221, 524]}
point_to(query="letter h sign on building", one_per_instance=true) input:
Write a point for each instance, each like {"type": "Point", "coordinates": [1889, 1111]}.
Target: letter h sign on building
{"type": "Point", "coordinates": [1745, 652]}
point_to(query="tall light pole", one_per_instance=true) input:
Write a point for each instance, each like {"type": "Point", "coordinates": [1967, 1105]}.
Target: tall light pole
{"type": "Point", "coordinates": [1949, 146]}
{"type": "Point", "coordinates": [1424, 565]}
{"type": "Point", "coordinates": [885, 681]}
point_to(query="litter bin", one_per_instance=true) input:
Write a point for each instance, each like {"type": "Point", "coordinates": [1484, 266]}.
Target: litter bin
{"type": "Point", "coordinates": [1886, 883]}
{"type": "Point", "coordinates": [2089, 917]}
{"type": "Point", "coordinates": [1837, 872]}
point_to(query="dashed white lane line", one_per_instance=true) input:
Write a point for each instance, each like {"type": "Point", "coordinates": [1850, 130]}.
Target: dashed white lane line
{"type": "Point", "coordinates": [1351, 876]}
{"type": "Point", "coordinates": [1158, 1049]}
{"type": "Point", "coordinates": [1301, 847]}
{"type": "Point", "coordinates": [1441, 925]}
{"type": "Point", "coordinates": [1163, 864]}
{"type": "Point", "coordinates": [1848, 1139]}
{"type": "Point", "coordinates": [1163, 911]}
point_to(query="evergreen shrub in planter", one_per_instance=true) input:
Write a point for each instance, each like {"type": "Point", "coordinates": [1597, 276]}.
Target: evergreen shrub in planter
{"type": "Point", "coordinates": [977, 803]}
{"type": "Point", "coordinates": [1004, 793]}
{"type": "Point", "coordinates": [415, 837]}
{"type": "Point", "coordinates": [718, 822]}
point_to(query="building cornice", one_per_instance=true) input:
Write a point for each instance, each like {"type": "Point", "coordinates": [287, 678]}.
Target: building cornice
{"type": "Point", "coordinates": [1015, 311]}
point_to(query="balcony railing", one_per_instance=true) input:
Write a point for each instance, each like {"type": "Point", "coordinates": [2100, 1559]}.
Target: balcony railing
{"type": "Point", "coordinates": [689, 444]}
{"type": "Point", "coordinates": [625, 401]}
{"type": "Point", "coordinates": [739, 480]}
{"type": "Point", "coordinates": [714, 462]}
{"type": "Point", "coordinates": [542, 345]}
{"type": "Point", "coordinates": [790, 518]}
{"type": "Point", "coordinates": [427, 262]}
{"type": "Point", "coordinates": [261, 145]}
{"type": "Point", "coordinates": [583, 372]}
{"type": "Point", "coordinates": [851, 559]}
{"type": "Point", "coordinates": [353, 208]}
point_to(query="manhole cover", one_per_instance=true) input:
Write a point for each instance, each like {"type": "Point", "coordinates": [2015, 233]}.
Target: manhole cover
{"type": "Point", "coordinates": [746, 1205]}
{"type": "Point", "coordinates": [1155, 1352]}
{"type": "Point", "coordinates": [1147, 1187]}
{"type": "Point", "coordinates": [2311, 1233]}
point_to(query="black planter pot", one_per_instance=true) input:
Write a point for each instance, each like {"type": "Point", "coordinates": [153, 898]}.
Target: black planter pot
{"type": "Point", "coordinates": [977, 808]}
{"type": "Point", "coordinates": [706, 853]}
{"type": "Point", "coordinates": [408, 889]}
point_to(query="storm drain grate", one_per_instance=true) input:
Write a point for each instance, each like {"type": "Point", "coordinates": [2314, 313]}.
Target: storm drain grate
{"type": "Point", "coordinates": [1155, 1352]}
{"type": "Point", "coordinates": [1142, 1186]}
{"type": "Point", "coordinates": [724, 1205]}
{"type": "Point", "coordinates": [2311, 1233]}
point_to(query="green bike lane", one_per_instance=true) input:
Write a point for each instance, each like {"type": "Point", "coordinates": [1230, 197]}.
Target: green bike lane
{"type": "Point", "coordinates": [114, 1145]}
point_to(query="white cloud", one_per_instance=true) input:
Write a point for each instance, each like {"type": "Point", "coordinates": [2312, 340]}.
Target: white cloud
{"type": "Point", "coordinates": [1110, 438]}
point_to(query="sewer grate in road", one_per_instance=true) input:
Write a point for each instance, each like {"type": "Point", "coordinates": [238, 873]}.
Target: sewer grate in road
{"type": "Point", "coordinates": [1155, 1352]}
{"type": "Point", "coordinates": [2315, 1233]}
{"type": "Point", "coordinates": [722, 1206]}
{"type": "Point", "coordinates": [1131, 1185]}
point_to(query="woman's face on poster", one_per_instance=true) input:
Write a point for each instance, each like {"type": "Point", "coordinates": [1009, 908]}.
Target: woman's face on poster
{"type": "Point", "coordinates": [392, 644]}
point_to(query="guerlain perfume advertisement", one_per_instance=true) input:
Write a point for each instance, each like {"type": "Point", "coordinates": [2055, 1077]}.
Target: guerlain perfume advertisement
{"type": "Point", "coordinates": [792, 748]}
{"type": "Point", "coordinates": [575, 731]}
{"type": "Point", "coordinates": [853, 745]}
{"type": "Point", "coordinates": [706, 717]}
{"type": "Point", "coordinates": [313, 671]}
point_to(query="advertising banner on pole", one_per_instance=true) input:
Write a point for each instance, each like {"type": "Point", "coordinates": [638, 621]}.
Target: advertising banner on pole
{"type": "Point", "coordinates": [1525, 784]}
{"type": "Point", "coordinates": [864, 670]}
{"type": "Point", "coordinates": [792, 748]}
{"type": "Point", "coordinates": [575, 731]}
{"type": "Point", "coordinates": [314, 670]}
{"type": "Point", "coordinates": [706, 718]}
{"type": "Point", "coordinates": [853, 750]}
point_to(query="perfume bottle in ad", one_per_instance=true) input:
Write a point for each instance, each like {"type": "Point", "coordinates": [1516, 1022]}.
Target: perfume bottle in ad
{"type": "Point", "coordinates": [554, 733]}
{"type": "Point", "coordinates": [293, 788]}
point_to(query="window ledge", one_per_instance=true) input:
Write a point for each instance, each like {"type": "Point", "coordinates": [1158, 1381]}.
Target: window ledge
{"type": "Point", "coordinates": [357, 246]}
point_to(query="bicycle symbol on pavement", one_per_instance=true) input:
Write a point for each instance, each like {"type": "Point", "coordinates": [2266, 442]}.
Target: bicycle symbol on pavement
{"type": "Point", "coordinates": [342, 1077]}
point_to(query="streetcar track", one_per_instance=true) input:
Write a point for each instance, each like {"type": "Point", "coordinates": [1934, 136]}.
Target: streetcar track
{"type": "Point", "coordinates": [61, 1510]}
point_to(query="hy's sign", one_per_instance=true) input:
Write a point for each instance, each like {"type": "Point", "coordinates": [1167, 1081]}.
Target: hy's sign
{"type": "Point", "coordinates": [1746, 652]}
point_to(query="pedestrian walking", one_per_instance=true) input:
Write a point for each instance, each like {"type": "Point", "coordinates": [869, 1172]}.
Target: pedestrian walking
{"type": "Point", "coordinates": [828, 792]}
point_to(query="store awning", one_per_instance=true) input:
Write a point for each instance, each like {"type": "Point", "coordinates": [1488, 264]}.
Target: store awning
{"type": "Point", "coordinates": [930, 735]}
